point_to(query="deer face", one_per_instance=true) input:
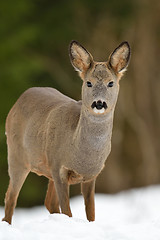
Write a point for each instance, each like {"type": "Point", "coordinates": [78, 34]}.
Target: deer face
{"type": "Point", "coordinates": [100, 89]}
{"type": "Point", "coordinates": [100, 79]}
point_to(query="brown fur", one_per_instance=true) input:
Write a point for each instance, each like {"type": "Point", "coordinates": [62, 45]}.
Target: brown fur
{"type": "Point", "coordinates": [67, 141]}
{"type": "Point", "coordinates": [51, 200]}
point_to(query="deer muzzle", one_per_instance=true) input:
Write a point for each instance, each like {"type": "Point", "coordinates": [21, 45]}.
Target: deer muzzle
{"type": "Point", "coordinates": [99, 106]}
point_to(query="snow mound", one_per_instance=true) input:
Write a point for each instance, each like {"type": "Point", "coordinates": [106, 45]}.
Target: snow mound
{"type": "Point", "coordinates": [130, 215]}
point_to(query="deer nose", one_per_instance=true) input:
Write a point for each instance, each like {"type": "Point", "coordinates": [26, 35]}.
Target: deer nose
{"type": "Point", "coordinates": [99, 105]}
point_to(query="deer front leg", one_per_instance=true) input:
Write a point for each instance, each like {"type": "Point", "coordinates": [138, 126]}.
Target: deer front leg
{"type": "Point", "coordinates": [51, 200]}
{"type": "Point", "coordinates": [88, 189]}
{"type": "Point", "coordinates": [62, 189]}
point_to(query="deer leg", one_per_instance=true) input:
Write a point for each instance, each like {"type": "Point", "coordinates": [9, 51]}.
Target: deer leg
{"type": "Point", "coordinates": [51, 200]}
{"type": "Point", "coordinates": [62, 189]}
{"type": "Point", "coordinates": [17, 178]}
{"type": "Point", "coordinates": [88, 189]}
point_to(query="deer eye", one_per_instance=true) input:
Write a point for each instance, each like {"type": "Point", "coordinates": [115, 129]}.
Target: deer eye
{"type": "Point", "coordinates": [110, 84]}
{"type": "Point", "coordinates": [89, 84]}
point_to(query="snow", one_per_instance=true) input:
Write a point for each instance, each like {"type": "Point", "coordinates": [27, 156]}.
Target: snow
{"type": "Point", "coordinates": [129, 215]}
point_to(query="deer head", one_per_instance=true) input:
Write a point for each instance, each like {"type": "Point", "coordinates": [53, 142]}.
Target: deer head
{"type": "Point", "coordinates": [100, 79]}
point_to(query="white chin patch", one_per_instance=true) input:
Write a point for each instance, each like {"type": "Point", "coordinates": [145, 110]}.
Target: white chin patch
{"type": "Point", "coordinates": [98, 111]}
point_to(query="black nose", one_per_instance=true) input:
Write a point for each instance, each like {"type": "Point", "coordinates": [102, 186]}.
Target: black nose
{"type": "Point", "coordinates": [99, 105]}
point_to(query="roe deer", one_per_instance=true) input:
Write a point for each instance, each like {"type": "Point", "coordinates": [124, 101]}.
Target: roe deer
{"type": "Point", "coordinates": [67, 141]}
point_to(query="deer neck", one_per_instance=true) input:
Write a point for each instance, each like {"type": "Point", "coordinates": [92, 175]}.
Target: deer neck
{"type": "Point", "coordinates": [93, 132]}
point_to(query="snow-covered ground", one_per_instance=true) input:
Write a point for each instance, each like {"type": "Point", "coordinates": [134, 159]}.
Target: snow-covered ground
{"type": "Point", "coordinates": [130, 215]}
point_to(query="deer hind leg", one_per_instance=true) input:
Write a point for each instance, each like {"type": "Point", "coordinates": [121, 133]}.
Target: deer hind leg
{"type": "Point", "coordinates": [88, 189]}
{"type": "Point", "coordinates": [17, 178]}
{"type": "Point", "coordinates": [51, 200]}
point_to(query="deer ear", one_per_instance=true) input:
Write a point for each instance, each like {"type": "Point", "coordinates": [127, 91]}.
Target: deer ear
{"type": "Point", "coordinates": [80, 58]}
{"type": "Point", "coordinates": [119, 58]}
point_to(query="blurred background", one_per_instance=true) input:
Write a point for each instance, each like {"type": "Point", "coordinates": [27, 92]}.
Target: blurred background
{"type": "Point", "coordinates": [35, 35]}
